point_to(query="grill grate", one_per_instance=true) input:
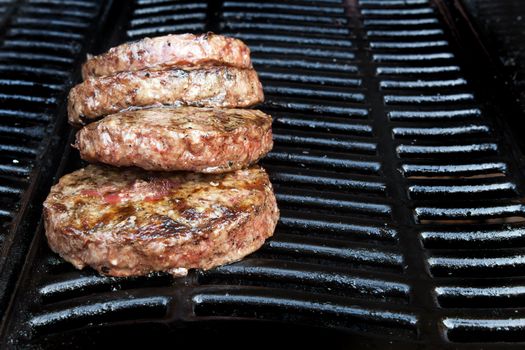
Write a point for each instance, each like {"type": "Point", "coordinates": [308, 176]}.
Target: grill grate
{"type": "Point", "coordinates": [468, 252]}
{"type": "Point", "coordinates": [39, 49]}
{"type": "Point", "coordinates": [400, 195]}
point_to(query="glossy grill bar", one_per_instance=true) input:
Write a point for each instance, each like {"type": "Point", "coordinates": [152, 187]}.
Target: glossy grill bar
{"type": "Point", "coordinates": [400, 186]}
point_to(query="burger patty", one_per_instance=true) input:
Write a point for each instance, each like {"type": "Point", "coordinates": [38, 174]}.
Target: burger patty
{"type": "Point", "coordinates": [206, 87]}
{"type": "Point", "coordinates": [132, 222]}
{"type": "Point", "coordinates": [208, 140]}
{"type": "Point", "coordinates": [168, 51]}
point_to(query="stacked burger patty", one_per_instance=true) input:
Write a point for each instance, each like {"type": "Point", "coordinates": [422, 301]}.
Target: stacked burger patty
{"type": "Point", "coordinates": [175, 186]}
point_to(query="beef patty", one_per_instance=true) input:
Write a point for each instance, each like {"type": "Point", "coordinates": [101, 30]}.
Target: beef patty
{"type": "Point", "coordinates": [168, 51]}
{"type": "Point", "coordinates": [208, 140]}
{"type": "Point", "coordinates": [132, 222]}
{"type": "Point", "coordinates": [202, 87]}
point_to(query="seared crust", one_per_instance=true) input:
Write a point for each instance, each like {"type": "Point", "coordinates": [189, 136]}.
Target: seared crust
{"type": "Point", "coordinates": [131, 222]}
{"type": "Point", "coordinates": [208, 140]}
{"type": "Point", "coordinates": [209, 87]}
{"type": "Point", "coordinates": [169, 51]}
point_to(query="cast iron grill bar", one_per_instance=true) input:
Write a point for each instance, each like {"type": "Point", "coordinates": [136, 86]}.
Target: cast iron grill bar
{"type": "Point", "coordinates": [249, 300]}
{"type": "Point", "coordinates": [304, 274]}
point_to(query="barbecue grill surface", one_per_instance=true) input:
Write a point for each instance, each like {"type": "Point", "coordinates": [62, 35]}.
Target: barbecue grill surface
{"type": "Point", "coordinates": [399, 180]}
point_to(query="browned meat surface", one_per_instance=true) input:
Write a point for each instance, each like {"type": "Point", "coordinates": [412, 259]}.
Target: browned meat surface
{"type": "Point", "coordinates": [169, 51]}
{"type": "Point", "coordinates": [133, 222]}
{"type": "Point", "coordinates": [207, 87]}
{"type": "Point", "coordinates": [208, 140]}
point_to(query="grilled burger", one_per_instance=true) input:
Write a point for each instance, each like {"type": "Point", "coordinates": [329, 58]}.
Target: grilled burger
{"type": "Point", "coordinates": [208, 140]}
{"type": "Point", "coordinates": [203, 87]}
{"type": "Point", "coordinates": [132, 222]}
{"type": "Point", "coordinates": [169, 51]}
